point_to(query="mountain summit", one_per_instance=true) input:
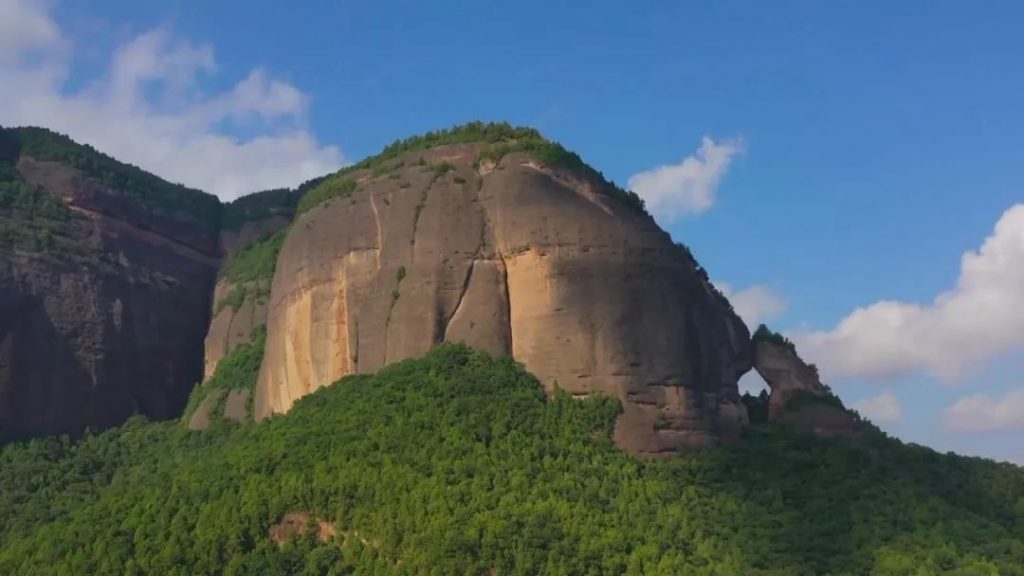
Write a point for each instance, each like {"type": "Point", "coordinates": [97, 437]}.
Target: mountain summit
{"type": "Point", "coordinates": [493, 236]}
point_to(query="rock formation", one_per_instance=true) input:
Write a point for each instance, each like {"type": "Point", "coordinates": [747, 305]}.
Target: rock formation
{"type": "Point", "coordinates": [798, 397]}
{"type": "Point", "coordinates": [232, 324]}
{"type": "Point", "coordinates": [105, 279]}
{"type": "Point", "coordinates": [239, 299]}
{"type": "Point", "coordinates": [505, 242]}
{"type": "Point", "coordinates": [514, 256]}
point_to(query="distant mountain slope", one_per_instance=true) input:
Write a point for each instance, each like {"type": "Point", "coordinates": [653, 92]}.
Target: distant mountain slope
{"type": "Point", "coordinates": [458, 464]}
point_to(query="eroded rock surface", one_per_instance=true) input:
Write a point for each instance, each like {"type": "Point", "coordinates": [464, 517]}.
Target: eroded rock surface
{"type": "Point", "coordinates": [798, 397]}
{"type": "Point", "coordinates": [109, 320]}
{"type": "Point", "coordinates": [232, 326]}
{"type": "Point", "coordinates": [513, 258]}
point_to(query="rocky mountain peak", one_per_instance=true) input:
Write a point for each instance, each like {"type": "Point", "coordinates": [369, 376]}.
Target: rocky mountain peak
{"type": "Point", "coordinates": [493, 236]}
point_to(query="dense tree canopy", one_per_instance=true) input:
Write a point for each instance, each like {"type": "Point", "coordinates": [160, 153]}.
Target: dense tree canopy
{"type": "Point", "coordinates": [30, 219]}
{"type": "Point", "coordinates": [458, 464]}
{"type": "Point", "coordinates": [258, 206]}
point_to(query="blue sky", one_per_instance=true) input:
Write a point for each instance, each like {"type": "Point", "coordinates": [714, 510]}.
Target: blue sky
{"type": "Point", "coordinates": [856, 151]}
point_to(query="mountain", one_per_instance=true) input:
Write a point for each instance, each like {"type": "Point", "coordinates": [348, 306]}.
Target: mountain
{"type": "Point", "coordinates": [106, 281]}
{"type": "Point", "coordinates": [468, 354]}
{"type": "Point", "coordinates": [484, 233]}
{"type": "Point", "coordinates": [105, 278]}
{"type": "Point", "coordinates": [493, 236]}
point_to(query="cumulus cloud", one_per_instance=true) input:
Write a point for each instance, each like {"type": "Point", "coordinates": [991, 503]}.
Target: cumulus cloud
{"type": "Point", "coordinates": [150, 108]}
{"type": "Point", "coordinates": [884, 408]}
{"type": "Point", "coordinates": [754, 304]}
{"type": "Point", "coordinates": [981, 413]}
{"type": "Point", "coordinates": [979, 319]}
{"type": "Point", "coordinates": [687, 188]}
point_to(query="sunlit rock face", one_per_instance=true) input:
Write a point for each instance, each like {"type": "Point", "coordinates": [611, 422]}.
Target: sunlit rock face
{"type": "Point", "coordinates": [512, 258]}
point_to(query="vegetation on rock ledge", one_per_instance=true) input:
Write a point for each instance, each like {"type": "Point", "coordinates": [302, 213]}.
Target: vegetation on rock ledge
{"type": "Point", "coordinates": [236, 371]}
{"type": "Point", "coordinates": [250, 271]}
{"type": "Point", "coordinates": [765, 334]}
{"type": "Point", "coordinates": [501, 139]}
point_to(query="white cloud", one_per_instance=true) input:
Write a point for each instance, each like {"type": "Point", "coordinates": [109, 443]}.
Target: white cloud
{"type": "Point", "coordinates": [689, 187]}
{"type": "Point", "coordinates": [754, 304]}
{"type": "Point", "coordinates": [884, 408]}
{"type": "Point", "coordinates": [981, 413]}
{"type": "Point", "coordinates": [150, 109]}
{"type": "Point", "coordinates": [24, 25]}
{"type": "Point", "coordinates": [979, 319]}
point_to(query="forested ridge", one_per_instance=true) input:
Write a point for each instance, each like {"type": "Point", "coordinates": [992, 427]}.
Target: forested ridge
{"type": "Point", "coordinates": [457, 463]}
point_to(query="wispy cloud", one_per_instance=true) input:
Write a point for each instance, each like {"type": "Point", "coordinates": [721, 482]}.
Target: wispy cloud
{"type": "Point", "coordinates": [689, 187]}
{"type": "Point", "coordinates": [982, 413]}
{"type": "Point", "coordinates": [977, 320]}
{"type": "Point", "coordinates": [151, 107]}
{"type": "Point", "coordinates": [884, 408]}
{"type": "Point", "coordinates": [754, 304]}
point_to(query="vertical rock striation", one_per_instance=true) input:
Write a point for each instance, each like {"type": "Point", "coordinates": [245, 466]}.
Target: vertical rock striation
{"type": "Point", "coordinates": [513, 257]}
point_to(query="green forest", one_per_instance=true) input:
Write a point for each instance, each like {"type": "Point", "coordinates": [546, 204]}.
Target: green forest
{"type": "Point", "coordinates": [30, 219]}
{"type": "Point", "coordinates": [457, 463]}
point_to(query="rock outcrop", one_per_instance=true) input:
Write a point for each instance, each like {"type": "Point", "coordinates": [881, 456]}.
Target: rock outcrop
{"type": "Point", "coordinates": [232, 324]}
{"type": "Point", "coordinates": [798, 398]}
{"type": "Point", "coordinates": [105, 283]}
{"type": "Point", "coordinates": [240, 296]}
{"type": "Point", "coordinates": [511, 256]}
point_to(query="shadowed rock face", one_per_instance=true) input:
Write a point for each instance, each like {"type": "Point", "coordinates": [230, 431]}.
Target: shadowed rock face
{"type": "Point", "coordinates": [109, 324]}
{"type": "Point", "coordinates": [798, 397]}
{"type": "Point", "coordinates": [513, 259]}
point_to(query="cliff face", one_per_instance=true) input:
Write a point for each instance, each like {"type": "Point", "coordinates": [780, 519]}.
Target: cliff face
{"type": "Point", "coordinates": [798, 397]}
{"type": "Point", "coordinates": [251, 238]}
{"type": "Point", "coordinates": [513, 257]}
{"type": "Point", "coordinates": [105, 279]}
{"type": "Point", "coordinates": [107, 274]}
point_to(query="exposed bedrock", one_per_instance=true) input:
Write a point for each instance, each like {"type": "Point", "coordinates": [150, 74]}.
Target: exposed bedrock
{"type": "Point", "coordinates": [590, 295]}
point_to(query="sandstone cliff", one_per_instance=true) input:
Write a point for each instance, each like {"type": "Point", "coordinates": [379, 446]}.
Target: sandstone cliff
{"type": "Point", "coordinates": [514, 253]}
{"type": "Point", "coordinates": [105, 279]}
{"type": "Point", "coordinates": [798, 397]}
{"type": "Point", "coordinates": [251, 236]}
{"type": "Point", "coordinates": [250, 247]}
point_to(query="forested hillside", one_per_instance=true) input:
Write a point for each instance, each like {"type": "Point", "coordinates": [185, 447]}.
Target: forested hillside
{"type": "Point", "coordinates": [458, 464]}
